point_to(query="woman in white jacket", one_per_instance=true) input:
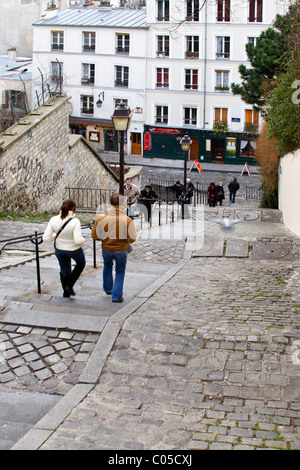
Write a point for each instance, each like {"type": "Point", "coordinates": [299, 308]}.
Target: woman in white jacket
{"type": "Point", "coordinates": [65, 230]}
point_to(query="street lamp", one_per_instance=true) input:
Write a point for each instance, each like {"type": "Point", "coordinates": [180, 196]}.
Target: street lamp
{"type": "Point", "coordinates": [99, 103]}
{"type": "Point", "coordinates": [185, 143]}
{"type": "Point", "coordinates": [121, 120]}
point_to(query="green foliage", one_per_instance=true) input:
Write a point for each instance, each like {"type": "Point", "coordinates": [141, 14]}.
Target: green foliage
{"type": "Point", "coordinates": [267, 59]}
{"type": "Point", "coordinates": [283, 113]}
{"type": "Point", "coordinates": [269, 197]}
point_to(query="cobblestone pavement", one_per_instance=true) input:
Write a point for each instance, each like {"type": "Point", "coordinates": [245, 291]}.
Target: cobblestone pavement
{"type": "Point", "coordinates": [210, 360]}
{"type": "Point", "coordinates": [42, 360]}
{"type": "Point", "coordinates": [214, 365]}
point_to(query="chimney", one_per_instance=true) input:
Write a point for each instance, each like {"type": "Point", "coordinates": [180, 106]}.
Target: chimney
{"type": "Point", "coordinates": [12, 52]}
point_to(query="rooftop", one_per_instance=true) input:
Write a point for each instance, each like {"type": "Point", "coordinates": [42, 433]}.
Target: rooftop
{"type": "Point", "coordinates": [12, 67]}
{"type": "Point", "coordinates": [95, 17]}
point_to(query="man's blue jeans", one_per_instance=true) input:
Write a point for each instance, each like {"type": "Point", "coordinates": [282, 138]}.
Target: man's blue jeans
{"type": "Point", "coordinates": [232, 197]}
{"type": "Point", "coordinates": [115, 286]}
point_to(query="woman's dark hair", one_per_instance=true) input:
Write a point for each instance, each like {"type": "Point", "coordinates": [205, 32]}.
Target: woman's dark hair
{"type": "Point", "coordinates": [67, 205]}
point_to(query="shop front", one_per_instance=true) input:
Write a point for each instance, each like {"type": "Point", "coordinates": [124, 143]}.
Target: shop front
{"type": "Point", "coordinates": [98, 132]}
{"type": "Point", "coordinates": [207, 145]}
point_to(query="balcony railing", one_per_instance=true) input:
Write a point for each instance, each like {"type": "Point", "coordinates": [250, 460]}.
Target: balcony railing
{"type": "Point", "coordinates": [122, 50]}
{"type": "Point", "coordinates": [87, 81]}
{"type": "Point", "coordinates": [86, 48]}
{"type": "Point", "coordinates": [87, 110]}
{"type": "Point", "coordinates": [121, 83]}
{"type": "Point", "coordinates": [162, 54]}
{"type": "Point", "coordinates": [191, 55]}
{"type": "Point", "coordinates": [250, 127]}
{"type": "Point", "coordinates": [57, 47]}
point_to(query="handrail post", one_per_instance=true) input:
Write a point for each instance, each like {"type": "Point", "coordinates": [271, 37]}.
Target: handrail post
{"type": "Point", "coordinates": [94, 254]}
{"type": "Point", "coordinates": [37, 259]}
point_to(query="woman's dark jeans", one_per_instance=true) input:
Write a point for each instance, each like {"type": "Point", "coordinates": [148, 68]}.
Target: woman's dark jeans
{"type": "Point", "coordinates": [68, 276]}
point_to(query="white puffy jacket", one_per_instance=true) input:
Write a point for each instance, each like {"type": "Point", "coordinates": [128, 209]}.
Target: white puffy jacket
{"type": "Point", "coordinates": [70, 239]}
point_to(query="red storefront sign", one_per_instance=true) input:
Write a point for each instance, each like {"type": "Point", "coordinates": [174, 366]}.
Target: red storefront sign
{"type": "Point", "coordinates": [162, 130]}
{"type": "Point", "coordinates": [147, 141]}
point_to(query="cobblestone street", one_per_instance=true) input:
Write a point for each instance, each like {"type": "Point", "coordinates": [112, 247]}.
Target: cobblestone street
{"type": "Point", "coordinates": [213, 366]}
{"type": "Point", "coordinates": [203, 354]}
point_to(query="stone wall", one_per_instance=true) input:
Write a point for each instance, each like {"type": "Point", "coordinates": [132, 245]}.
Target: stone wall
{"type": "Point", "coordinates": [289, 190]}
{"type": "Point", "coordinates": [39, 159]}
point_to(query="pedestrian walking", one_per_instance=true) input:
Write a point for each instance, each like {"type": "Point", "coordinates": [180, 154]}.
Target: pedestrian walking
{"type": "Point", "coordinates": [132, 192]}
{"type": "Point", "coordinates": [212, 193]}
{"type": "Point", "coordinates": [221, 193]}
{"type": "Point", "coordinates": [147, 197]}
{"type": "Point", "coordinates": [178, 190]}
{"type": "Point", "coordinates": [65, 230]}
{"type": "Point", "coordinates": [117, 231]}
{"type": "Point", "coordinates": [233, 188]}
{"type": "Point", "coordinates": [190, 188]}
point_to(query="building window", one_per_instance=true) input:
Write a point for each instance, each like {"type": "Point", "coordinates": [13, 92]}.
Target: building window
{"type": "Point", "coordinates": [251, 120]}
{"type": "Point", "coordinates": [191, 79]}
{"type": "Point", "coordinates": [222, 80]}
{"type": "Point", "coordinates": [88, 74]}
{"type": "Point", "coordinates": [252, 40]}
{"type": "Point", "coordinates": [16, 98]}
{"type": "Point", "coordinates": [122, 43]}
{"type": "Point", "coordinates": [56, 71]}
{"type": "Point", "coordinates": [89, 42]}
{"type": "Point", "coordinates": [163, 46]}
{"type": "Point", "coordinates": [247, 148]}
{"type": "Point", "coordinates": [161, 114]}
{"type": "Point", "coordinates": [162, 78]}
{"type": "Point", "coordinates": [255, 11]}
{"type": "Point", "coordinates": [87, 104]}
{"type": "Point", "coordinates": [122, 76]}
{"type": "Point", "coordinates": [192, 46]}
{"type": "Point", "coordinates": [223, 47]}
{"type": "Point", "coordinates": [190, 116]}
{"type": "Point", "coordinates": [117, 101]}
{"type": "Point", "coordinates": [163, 10]}
{"type": "Point", "coordinates": [221, 114]}
{"type": "Point", "coordinates": [57, 40]}
{"type": "Point", "coordinates": [192, 10]}
{"type": "Point", "coordinates": [223, 10]}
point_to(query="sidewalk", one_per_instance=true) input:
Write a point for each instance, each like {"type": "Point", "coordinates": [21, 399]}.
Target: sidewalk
{"type": "Point", "coordinates": [203, 354]}
{"type": "Point", "coordinates": [110, 157]}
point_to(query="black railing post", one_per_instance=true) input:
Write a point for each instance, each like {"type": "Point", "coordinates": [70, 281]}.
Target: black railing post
{"type": "Point", "coordinates": [94, 254]}
{"type": "Point", "coordinates": [37, 260]}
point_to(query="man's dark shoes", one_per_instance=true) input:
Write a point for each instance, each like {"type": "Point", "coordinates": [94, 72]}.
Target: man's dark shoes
{"type": "Point", "coordinates": [118, 300]}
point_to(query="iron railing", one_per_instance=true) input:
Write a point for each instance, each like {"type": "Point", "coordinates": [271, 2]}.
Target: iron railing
{"type": "Point", "coordinates": [37, 239]}
{"type": "Point", "coordinates": [89, 198]}
{"type": "Point", "coordinates": [164, 191]}
{"type": "Point", "coordinates": [253, 192]}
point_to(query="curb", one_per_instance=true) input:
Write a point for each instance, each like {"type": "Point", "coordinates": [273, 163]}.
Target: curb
{"type": "Point", "coordinates": [44, 428]}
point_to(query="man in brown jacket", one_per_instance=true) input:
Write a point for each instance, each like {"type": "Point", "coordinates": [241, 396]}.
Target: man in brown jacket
{"type": "Point", "coordinates": [117, 231]}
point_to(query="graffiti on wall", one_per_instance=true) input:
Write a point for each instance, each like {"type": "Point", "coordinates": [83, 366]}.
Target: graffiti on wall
{"type": "Point", "coordinates": [3, 190]}
{"type": "Point", "coordinates": [32, 174]}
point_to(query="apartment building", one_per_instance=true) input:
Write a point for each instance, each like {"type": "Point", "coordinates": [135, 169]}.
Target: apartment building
{"type": "Point", "coordinates": [173, 60]}
{"type": "Point", "coordinates": [97, 57]}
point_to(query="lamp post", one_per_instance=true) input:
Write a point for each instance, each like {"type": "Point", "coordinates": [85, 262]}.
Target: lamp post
{"type": "Point", "coordinates": [185, 143]}
{"type": "Point", "coordinates": [99, 103]}
{"type": "Point", "coordinates": [121, 120]}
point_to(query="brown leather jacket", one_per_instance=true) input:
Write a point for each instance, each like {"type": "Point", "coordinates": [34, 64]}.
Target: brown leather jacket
{"type": "Point", "coordinates": [115, 229]}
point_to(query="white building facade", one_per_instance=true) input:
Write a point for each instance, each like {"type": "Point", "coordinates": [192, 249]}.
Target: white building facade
{"type": "Point", "coordinates": [175, 59]}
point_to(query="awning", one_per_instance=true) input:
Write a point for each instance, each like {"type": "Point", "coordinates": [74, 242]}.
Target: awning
{"type": "Point", "coordinates": [91, 122]}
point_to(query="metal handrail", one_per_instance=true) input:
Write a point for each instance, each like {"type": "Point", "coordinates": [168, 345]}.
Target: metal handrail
{"type": "Point", "coordinates": [37, 239]}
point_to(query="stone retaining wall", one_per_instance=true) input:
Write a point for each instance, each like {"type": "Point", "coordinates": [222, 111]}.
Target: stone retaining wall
{"type": "Point", "coordinates": [39, 159]}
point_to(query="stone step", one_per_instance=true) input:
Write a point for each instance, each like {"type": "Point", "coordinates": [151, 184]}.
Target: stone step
{"type": "Point", "coordinates": [55, 320]}
{"type": "Point", "coordinates": [218, 247]}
